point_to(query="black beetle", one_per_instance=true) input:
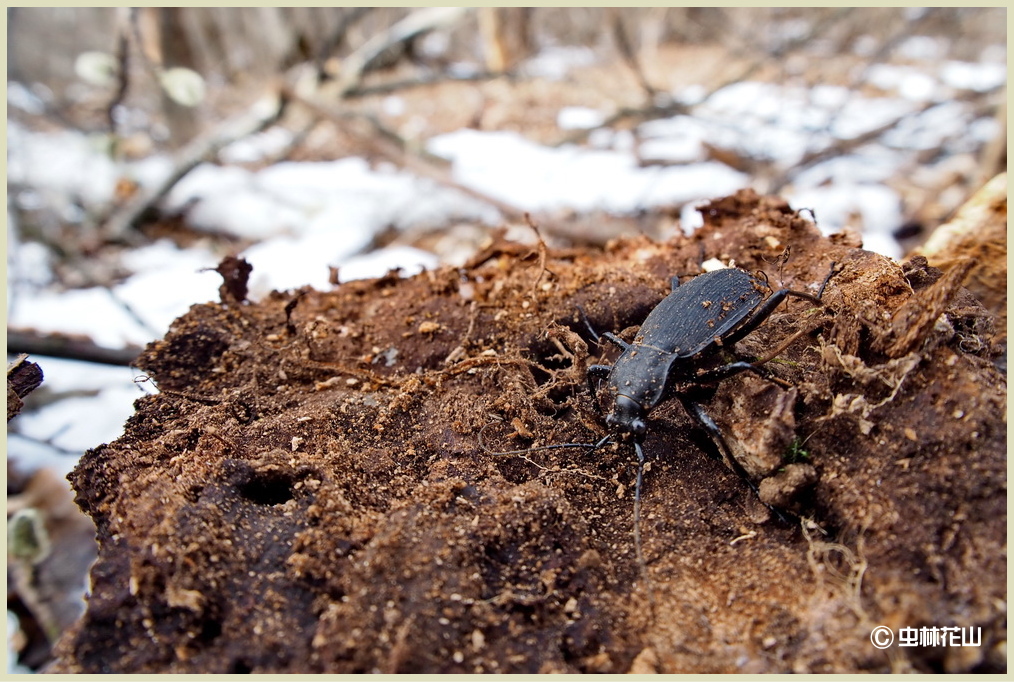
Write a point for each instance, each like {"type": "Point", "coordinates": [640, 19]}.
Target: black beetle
{"type": "Point", "coordinates": [713, 310]}
{"type": "Point", "coordinates": [710, 311]}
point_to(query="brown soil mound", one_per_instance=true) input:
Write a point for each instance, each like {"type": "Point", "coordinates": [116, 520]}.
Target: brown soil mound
{"type": "Point", "coordinates": [308, 492]}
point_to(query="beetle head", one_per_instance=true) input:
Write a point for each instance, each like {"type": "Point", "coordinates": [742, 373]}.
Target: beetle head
{"type": "Point", "coordinates": [628, 415]}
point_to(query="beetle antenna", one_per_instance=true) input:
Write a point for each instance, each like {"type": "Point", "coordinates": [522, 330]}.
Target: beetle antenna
{"type": "Point", "coordinates": [587, 323]}
{"type": "Point", "coordinates": [525, 451]}
{"type": "Point", "coordinates": [637, 511]}
{"type": "Point", "coordinates": [638, 549]}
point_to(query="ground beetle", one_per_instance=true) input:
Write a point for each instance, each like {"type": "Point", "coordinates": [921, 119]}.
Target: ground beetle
{"type": "Point", "coordinates": [711, 311]}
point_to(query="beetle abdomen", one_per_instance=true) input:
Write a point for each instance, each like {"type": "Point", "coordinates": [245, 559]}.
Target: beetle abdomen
{"type": "Point", "coordinates": [707, 307]}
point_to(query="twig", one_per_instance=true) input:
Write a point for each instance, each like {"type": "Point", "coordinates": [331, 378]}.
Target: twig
{"type": "Point", "coordinates": [628, 54]}
{"type": "Point", "coordinates": [120, 222]}
{"type": "Point", "coordinates": [419, 22]}
{"type": "Point", "coordinates": [48, 442]}
{"type": "Point", "coordinates": [337, 37]}
{"type": "Point", "coordinates": [134, 315]}
{"type": "Point", "coordinates": [70, 347]}
{"type": "Point", "coordinates": [542, 253]}
{"type": "Point", "coordinates": [633, 114]}
{"type": "Point", "coordinates": [123, 59]}
{"type": "Point", "coordinates": [391, 146]}
{"type": "Point", "coordinates": [668, 109]}
{"type": "Point", "coordinates": [499, 246]}
{"type": "Point", "coordinates": [425, 81]}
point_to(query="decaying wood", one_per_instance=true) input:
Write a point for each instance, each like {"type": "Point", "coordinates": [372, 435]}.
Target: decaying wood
{"type": "Point", "coordinates": [23, 377]}
{"type": "Point", "coordinates": [327, 456]}
{"type": "Point", "coordinates": [977, 232]}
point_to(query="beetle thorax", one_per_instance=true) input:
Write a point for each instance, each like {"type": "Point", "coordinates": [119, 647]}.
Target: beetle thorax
{"type": "Point", "coordinates": [641, 374]}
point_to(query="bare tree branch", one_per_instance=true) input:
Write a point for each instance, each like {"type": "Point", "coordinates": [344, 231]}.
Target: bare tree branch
{"type": "Point", "coordinates": [435, 79]}
{"type": "Point", "coordinates": [655, 110]}
{"type": "Point", "coordinates": [391, 146]}
{"type": "Point", "coordinates": [337, 37]}
{"type": "Point", "coordinates": [415, 24]}
{"type": "Point", "coordinates": [123, 60]}
{"type": "Point", "coordinates": [70, 347]}
{"type": "Point", "coordinates": [844, 146]}
{"type": "Point", "coordinates": [262, 114]}
{"type": "Point", "coordinates": [628, 53]}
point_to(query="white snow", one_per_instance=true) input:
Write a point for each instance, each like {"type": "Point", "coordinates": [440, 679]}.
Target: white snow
{"type": "Point", "coordinates": [980, 76]}
{"type": "Point", "coordinates": [910, 82]}
{"type": "Point", "coordinates": [577, 118]}
{"type": "Point", "coordinates": [257, 147]}
{"type": "Point", "coordinates": [409, 260]}
{"type": "Point", "coordinates": [877, 207]}
{"type": "Point", "coordinates": [506, 166]}
{"type": "Point", "coordinates": [63, 167]}
{"type": "Point", "coordinates": [554, 63]}
{"type": "Point", "coordinates": [166, 279]}
{"type": "Point", "coordinates": [93, 311]}
{"type": "Point", "coordinates": [922, 48]}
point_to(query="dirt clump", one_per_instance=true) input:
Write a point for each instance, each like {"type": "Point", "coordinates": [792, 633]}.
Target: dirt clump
{"type": "Point", "coordinates": [309, 491]}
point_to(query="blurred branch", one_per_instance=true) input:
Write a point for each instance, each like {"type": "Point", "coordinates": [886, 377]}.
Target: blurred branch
{"type": "Point", "coordinates": [909, 29]}
{"type": "Point", "coordinates": [123, 60]}
{"type": "Point", "coordinates": [627, 52]}
{"type": "Point", "coordinates": [396, 149]}
{"type": "Point", "coordinates": [70, 347]}
{"type": "Point", "coordinates": [437, 79]}
{"type": "Point", "coordinates": [337, 37]}
{"type": "Point", "coordinates": [667, 109]}
{"type": "Point", "coordinates": [994, 155]}
{"type": "Point", "coordinates": [419, 22]}
{"type": "Point", "coordinates": [844, 146]}
{"type": "Point", "coordinates": [841, 147]}
{"type": "Point", "coordinates": [261, 115]}
{"type": "Point", "coordinates": [632, 115]}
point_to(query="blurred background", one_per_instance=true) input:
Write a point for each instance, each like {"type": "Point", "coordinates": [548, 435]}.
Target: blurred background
{"type": "Point", "coordinates": [328, 144]}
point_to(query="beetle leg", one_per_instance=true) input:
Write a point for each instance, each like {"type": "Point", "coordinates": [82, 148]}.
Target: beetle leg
{"type": "Point", "coordinates": [597, 372]}
{"type": "Point", "coordinates": [704, 420]}
{"type": "Point", "coordinates": [763, 312]}
{"type": "Point", "coordinates": [616, 341]}
{"type": "Point", "coordinates": [820, 293]}
{"type": "Point", "coordinates": [725, 371]}
{"type": "Point", "coordinates": [674, 282]}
